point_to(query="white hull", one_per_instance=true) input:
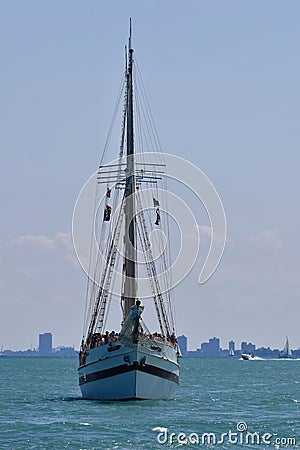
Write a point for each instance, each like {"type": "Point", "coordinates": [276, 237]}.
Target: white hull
{"type": "Point", "coordinates": [133, 371]}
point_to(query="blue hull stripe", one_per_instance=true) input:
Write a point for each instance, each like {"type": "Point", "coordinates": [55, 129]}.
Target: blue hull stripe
{"type": "Point", "coordinates": [125, 368]}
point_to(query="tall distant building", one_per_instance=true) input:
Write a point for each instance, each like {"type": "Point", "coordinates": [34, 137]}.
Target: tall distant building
{"type": "Point", "coordinates": [214, 344]}
{"type": "Point", "coordinates": [211, 348]}
{"type": "Point", "coordinates": [182, 342]}
{"type": "Point", "coordinates": [45, 344]}
{"type": "Point", "coordinates": [247, 347]}
{"type": "Point", "coordinates": [231, 346]}
{"type": "Point", "coordinates": [243, 347]}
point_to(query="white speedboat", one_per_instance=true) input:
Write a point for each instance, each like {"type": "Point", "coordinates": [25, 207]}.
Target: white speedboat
{"type": "Point", "coordinates": [247, 356]}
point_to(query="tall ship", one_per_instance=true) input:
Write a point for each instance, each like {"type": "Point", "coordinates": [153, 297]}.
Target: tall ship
{"type": "Point", "coordinates": [132, 362]}
{"type": "Point", "coordinates": [286, 352]}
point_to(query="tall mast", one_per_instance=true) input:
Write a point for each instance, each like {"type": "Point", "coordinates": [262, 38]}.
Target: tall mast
{"type": "Point", "coordinates": [130, 285]}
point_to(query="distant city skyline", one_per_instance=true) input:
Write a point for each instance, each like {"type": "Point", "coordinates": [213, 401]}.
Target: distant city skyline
{"type": "Point", "coordinates": [212, 349]}
{"type": "Point", "coordinates": [44, 349]}
{"type": "Point", "coordinates": [45, 340]}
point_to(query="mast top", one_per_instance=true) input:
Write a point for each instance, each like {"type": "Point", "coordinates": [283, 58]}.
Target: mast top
{"type": "Point", "coordinates": [130, 34]}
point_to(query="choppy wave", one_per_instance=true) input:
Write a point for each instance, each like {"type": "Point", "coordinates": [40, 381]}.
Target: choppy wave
{"type": "Point", "coordinates": [41, 407]}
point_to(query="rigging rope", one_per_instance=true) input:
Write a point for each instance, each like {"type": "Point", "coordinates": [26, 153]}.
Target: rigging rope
{"type": "Point", "coordinates": [98, 302]}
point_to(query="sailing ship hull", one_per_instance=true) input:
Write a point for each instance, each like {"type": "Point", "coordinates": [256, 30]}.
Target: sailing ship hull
{"type": "Point", "coordinates": [129, 372]}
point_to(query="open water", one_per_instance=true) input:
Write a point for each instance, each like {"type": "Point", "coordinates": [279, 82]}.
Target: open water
{"type": "Point", "coordinates": [41, 408]}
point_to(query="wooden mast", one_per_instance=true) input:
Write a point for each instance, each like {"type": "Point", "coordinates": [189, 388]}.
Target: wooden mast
{"type": "Point", "coordinates": [130, 285]}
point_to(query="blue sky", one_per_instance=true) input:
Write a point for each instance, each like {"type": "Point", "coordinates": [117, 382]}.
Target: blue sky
{"type": "Point", "coordinates": [223, 83]}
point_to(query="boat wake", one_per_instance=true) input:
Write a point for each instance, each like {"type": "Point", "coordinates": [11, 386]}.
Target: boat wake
{"type": "Point", "coordinates": [284, 359]}
{"type": "Point", "coordinates": [257, 358]}
{"type": "Point", "coordinates": [253, 358]}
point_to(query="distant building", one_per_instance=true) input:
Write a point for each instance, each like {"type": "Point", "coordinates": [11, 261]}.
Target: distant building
{"type": "Point", "coordinates": [64, 352]}
{"type": "Point", "coordinates": [231, 346]}
{"type": "Point", "coordinates": [296, 353]}
{"type": "Point", "coordinates": [182, 342]}
{"type": "Point", "coordinates": [194, 354]}
{"type": "Point", "coordinates": [45, 344]}
{"type": "Point", "coordinates": [211, 348]}
{"type": "Point", "coordinates": [267, 352]}
{"type": "Point", "coordinates": [247, 348]}
{"type": "Point", "coordinates": [243, 346]}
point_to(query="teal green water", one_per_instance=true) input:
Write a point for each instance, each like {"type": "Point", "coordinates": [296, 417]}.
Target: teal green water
{"type": "Point", "coordinates": [41, 408]}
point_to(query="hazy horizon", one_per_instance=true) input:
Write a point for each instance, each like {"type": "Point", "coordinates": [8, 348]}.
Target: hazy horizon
{"type": "Point", "coordinates": [223, 345]}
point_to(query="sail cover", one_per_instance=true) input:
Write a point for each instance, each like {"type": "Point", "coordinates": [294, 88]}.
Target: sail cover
{"type": "Point", "coordinates": [131, 322]}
